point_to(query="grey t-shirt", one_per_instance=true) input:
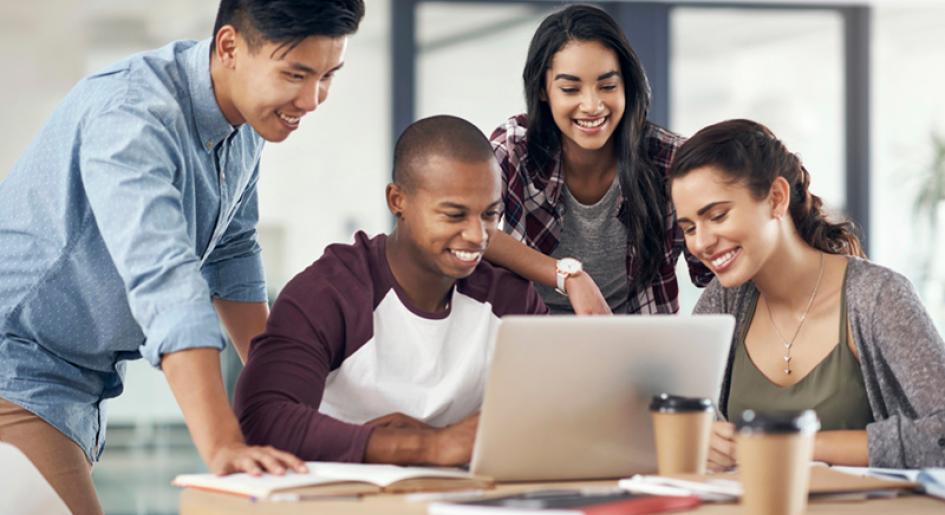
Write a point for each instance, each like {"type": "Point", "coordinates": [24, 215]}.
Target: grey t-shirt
{"type": "Point", "coordinates": [593, 235]}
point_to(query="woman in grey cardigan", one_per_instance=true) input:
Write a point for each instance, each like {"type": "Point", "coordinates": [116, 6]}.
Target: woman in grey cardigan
{"type": "Point", "coordinates": [817, 326]}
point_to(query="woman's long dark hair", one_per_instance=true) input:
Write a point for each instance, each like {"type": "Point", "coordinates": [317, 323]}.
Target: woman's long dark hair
{"type": "Point", "coordinates": [642, 187]}
{"type": "Point", "coordinates": [748, 152]}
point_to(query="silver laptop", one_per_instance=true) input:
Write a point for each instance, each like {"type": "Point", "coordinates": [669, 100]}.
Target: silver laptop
{"type": "Point", "coordinates": [568, 397]}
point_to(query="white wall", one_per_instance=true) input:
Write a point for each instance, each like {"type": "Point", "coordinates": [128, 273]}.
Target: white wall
{"type": "Point", "coordinates": [908, 105]}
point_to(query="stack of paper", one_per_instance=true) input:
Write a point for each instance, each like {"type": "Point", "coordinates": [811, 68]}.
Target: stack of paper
{"type": "Point", "coordinates": [931, 480]}
{"type": "Point", "coordinates": [825, 482]}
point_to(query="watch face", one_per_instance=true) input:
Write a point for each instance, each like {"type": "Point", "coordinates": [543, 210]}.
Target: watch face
{"type": "Point", "coordinates": [569, 265]}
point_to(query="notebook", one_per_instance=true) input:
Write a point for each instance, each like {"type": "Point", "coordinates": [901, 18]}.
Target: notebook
{"type": "Point", "coordinates": [334, 479]}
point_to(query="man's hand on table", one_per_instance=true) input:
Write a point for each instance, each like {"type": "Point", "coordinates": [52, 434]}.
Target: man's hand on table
{"type": "Point", "coordinates": [194, 377]}
{"type": "Point", "coordinates": [403, 440]}
{"type": "Point", "coordinates": [453, 445]}
{"type": "Point", "coordinates": [239, 457]}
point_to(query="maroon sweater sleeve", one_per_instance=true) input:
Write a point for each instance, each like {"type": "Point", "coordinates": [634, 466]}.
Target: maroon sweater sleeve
{"type": "Point", "coordinates": [310, 332]}
{"type": "Point", "coordinates": [508, 293]}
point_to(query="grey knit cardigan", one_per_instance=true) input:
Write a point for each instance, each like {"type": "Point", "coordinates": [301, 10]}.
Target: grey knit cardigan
{"type": "Point", "coordinates": [902, 358]}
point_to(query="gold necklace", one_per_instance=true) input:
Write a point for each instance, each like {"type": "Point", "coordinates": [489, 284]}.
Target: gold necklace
{"type": "Point", "coordinates": [810, 302]}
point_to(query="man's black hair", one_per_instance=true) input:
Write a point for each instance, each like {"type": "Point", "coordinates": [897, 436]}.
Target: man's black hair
{"type": "Point", "coordinates": [288, 22]}
{"type": "Point", "coordinates": [442, 135]}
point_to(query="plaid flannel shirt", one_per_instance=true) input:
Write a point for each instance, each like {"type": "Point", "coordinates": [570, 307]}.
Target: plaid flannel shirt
{"type": "Point", "coordinates": [534, 212]}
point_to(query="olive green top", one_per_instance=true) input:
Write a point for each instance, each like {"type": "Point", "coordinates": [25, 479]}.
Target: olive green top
{"type": "Point", "coordinates": [834, 388]}
{"type": "Point", "coordinates": [902, 360]}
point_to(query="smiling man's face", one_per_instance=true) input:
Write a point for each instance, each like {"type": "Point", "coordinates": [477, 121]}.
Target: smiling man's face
{"type": "Point", "coordinates": [271, 87]}
{"type": "Point", "coordinates": [451, 213]}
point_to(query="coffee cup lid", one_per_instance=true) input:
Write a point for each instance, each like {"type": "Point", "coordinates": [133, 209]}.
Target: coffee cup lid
{"type": "Point", "coordinates": [675, 403]}
{"type": "Point", "coordinates": [752, 421]}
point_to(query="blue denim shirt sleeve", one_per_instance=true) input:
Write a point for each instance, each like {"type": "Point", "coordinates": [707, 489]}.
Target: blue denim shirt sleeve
{"type": "Point", "coordinates": [234, 270]}
{"type": "Point", "coordinates": [128, 170]}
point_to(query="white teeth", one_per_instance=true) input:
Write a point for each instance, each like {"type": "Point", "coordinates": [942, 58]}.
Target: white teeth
{"type": "Point", "coordinates": [723, 259]}
{"type": "Point", "coordinates": [465, 255]}
{"type": "Point", "coordinates": [291, 120]}
{"type": "Point", "coordinates": [591, 124]}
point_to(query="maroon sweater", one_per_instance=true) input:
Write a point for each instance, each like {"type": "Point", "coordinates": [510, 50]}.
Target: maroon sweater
{"type": "Point", "coordinates": [330, 312]}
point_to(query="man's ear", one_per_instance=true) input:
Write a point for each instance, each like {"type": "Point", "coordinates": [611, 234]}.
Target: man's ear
{"type": "Point", "coordinates": [779, 197]}
{"type": "Point", "coordinates": [396, 199]}
{"type": "Point", "coordinates": [225, 46]}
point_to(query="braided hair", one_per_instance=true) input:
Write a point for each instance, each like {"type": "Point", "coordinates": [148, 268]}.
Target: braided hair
{"type": "Point", "coordinates": [748, 152]}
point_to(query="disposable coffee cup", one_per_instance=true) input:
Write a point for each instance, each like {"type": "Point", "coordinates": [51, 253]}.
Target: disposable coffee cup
{"type": "Point", "coordinates": [774, 456]}
{"type": "Point", "coordinates": [681, 427]}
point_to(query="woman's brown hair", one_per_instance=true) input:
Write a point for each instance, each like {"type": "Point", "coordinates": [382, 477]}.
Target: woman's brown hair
{"type": "Point", "coordinates": [749, 153]}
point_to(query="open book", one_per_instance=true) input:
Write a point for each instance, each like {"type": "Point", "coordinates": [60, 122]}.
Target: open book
{"type": "Point", "coordinates": [333, 479]}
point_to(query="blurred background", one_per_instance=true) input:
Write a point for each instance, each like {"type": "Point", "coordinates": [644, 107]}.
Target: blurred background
{"type": "Point", "coordinates": [854, 87]}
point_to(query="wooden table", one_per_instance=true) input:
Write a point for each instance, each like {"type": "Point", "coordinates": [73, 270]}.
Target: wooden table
{"type": "Point", "coordinates": [196, 502]}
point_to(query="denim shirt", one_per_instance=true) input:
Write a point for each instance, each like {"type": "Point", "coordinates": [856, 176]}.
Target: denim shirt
{"type": "Point", "coordinates": [135, 205]}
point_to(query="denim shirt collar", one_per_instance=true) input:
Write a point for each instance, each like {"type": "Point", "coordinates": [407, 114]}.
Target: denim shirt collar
{"type": "Point", "coordinates": [212, 126]}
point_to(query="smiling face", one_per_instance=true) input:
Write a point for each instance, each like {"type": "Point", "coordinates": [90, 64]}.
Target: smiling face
{"type": "Point", "coordinates": [450, 214]}
{"type": "Point", "coordinates": [272, 87]}
{"type": "Point", "coordinates": [725, 226]}
{"type": "Point", "coordinates": [585, 92]}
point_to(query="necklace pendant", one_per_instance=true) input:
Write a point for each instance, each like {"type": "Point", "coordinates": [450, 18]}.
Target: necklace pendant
{"type": "Point", "coordinates": [787, 371]}
{"type": "Point", "coordinates": [787, 359]}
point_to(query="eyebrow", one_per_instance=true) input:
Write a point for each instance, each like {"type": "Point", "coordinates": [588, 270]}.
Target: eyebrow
{"type": "Point", "coordinates": [454, 205]}
{"type": "Point", "coordinates": [308, 69]}
{"type": "Point", "coordinates": [603, 76]}
{"type": "Point", "coordinates": [705, 209]}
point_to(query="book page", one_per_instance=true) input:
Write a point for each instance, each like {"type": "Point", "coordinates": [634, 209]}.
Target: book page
{"type": "Point", "coordinates": [381, 475]}
{"type": "Point", "coordinates": [320, 473]}
{"type": "Point", "coordinates": [259, 486]}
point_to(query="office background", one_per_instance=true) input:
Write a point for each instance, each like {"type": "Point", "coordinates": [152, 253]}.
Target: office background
{"type": "Point", "coordinates": [787, 65]}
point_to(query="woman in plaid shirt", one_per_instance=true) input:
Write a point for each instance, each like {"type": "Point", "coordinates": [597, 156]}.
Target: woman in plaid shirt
{"type": "Point", "coordinates": [584, 176]}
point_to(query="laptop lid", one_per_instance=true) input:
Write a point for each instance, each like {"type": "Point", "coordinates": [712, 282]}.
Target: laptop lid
{"type": "Point", "coordinates": [568, 397]}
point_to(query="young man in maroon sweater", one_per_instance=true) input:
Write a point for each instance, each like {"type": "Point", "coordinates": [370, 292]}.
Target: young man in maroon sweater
{"type": "Point", "coordinates": [378, 351]}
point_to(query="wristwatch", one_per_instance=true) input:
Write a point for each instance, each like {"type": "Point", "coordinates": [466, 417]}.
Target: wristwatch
{"type": "Point", "coordinates": [564, 268]}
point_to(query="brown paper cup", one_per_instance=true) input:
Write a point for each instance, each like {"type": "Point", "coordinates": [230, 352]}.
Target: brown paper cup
{"type": "Point", "coordinates": [682, 441]}
{"type": "Point", "coordinates": [774, 470]}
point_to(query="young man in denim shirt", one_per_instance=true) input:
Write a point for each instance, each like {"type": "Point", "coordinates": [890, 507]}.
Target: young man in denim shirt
{"type": "Point", "coordinates": [128, 229]}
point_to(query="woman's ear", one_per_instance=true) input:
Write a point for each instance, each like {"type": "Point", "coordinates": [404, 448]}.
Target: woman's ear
{"type": "Point", "coordinates": [779, 197]}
